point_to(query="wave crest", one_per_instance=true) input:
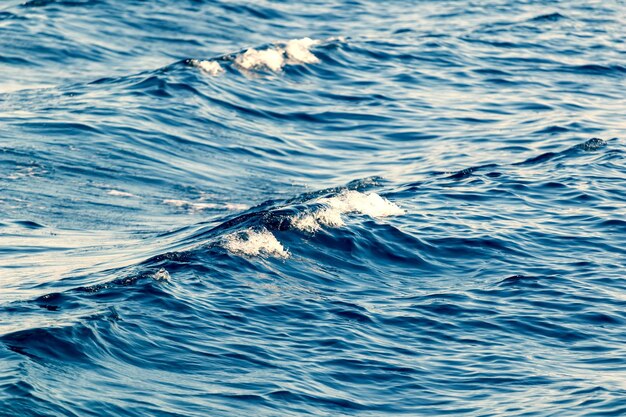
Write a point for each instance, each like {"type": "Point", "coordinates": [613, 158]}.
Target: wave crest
{"type": "Point", "coordinates": [298, 51]}
{"type": "Point", "coordinates": [209, 67]}
{"type": "Point", "coordinates": [271, 58]}
{"type": "Point", "coordinates": [274, 58]}
{"type": "Point", "coordinates": [252, 242]}
{"type": "Point", "coordinates": [350, 201]}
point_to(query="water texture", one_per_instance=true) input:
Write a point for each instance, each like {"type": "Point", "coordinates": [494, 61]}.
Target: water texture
{"type": "Point", "coordinates": [329, 208]}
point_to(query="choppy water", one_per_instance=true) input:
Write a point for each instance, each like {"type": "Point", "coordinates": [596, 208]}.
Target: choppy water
{"type": "Point", "coordinates": [334, 208]}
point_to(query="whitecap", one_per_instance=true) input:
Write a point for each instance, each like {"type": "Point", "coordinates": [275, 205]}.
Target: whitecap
{"type": "Point", "coordinates": [209, 67]}
{"type": "Point", "coordinates": [272, 58]}
{"type": "Point", "coordinates": [24, 173]}
{"type": "Point", "coordinates": [254, 243]}
{"type": "Point", "coordinates": [312, 222]}
{"type": "Point", "coordinates": [370, 204]}
{"type": "Point", "coordinates": [330, 214]}
{"type": "Point", "coordinates": [293, 52]}
{"type": "Point", "coordinates": [298, 51]}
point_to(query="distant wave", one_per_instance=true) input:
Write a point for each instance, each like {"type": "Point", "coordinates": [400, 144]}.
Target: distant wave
{"type": "Point", "coordinates": [272, 58]}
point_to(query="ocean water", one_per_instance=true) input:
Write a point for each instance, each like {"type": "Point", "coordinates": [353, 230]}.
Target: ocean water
{"type": "Point", "coordinates": [328, 208]}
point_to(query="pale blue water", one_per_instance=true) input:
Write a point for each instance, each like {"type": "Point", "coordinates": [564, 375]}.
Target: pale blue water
{"type": "Point", "coordinates": [420, 210]}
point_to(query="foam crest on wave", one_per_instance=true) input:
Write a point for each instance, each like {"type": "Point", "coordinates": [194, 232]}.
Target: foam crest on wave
{"type": "Point", "coordinates": [253, 242]}
{"type": "Point", "coordinates": [299, 51]}
{"type": "Point", "coordinates": [273, 58]}
{"type": "Point", "coordinates": [209, 67]}
{"type": "Point", "coordinates": [254, 232]}
{"type": "Point", "coordinates": [351, 201]}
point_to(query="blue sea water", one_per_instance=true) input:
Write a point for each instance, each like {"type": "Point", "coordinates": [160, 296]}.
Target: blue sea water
{"type": "Point", "coordinates": [329, 208]}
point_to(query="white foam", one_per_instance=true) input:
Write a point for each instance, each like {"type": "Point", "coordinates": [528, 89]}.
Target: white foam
{"type": "Point", "coordinates": [212, 68]}
{"type": "Point", "coordinates": [298, 51]}
{"type": "Point", "coordinates": [272, 58]}
{"type": "Point", "coordinates": [295, 51]}
{"type": "Point", "coordinates": [312, 222]}
{"type": "Point", "coordinates": [118, 193]}
{"type": "Point", "coordinates": [370, 204]}
{"type": "Point", "coordinates": [162, 275]}
{"type": "Point", "coordinates": [306, 222]}
{"type": "Point", "coordinates": [254, 243]}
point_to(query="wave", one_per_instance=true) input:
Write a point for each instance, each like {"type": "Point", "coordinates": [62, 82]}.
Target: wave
{"type": "Point", "coordinates": [273, 58]}
{"type": "Point", "coordinates": [251, 234]}
{"type": "Point", "coordinates": [210, 67]}
{"type": "Point", "coordinates": [327, 211]}
{"type": "Point", "coordinates": [590, 145]}
{"type": "Point", "coordinates": [252, 242]}
{"type": "Point", "coordinates": [350, 201]}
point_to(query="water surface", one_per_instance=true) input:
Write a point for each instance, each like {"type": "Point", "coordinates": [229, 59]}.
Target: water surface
{"type": "Point", "coordinates": [338, 208]}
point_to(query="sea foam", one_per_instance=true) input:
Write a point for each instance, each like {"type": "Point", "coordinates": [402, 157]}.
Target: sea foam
{"type": "Point", "coordinates": [298, 51]}
{"type": "Point", "coordinates": [293, 52]}
{"type": "Point", "coordinates": [272, 58]}
{"type": "Point", "coordinates": [209, 67]}
{"type": "Point", "coordinates": [332, 208]}
{"type": "Point", "coordinates": [252, 242]}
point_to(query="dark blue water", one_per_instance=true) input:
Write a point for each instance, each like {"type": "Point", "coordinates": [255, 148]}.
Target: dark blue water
{"type": "Point", "coordinates": [336, 208]}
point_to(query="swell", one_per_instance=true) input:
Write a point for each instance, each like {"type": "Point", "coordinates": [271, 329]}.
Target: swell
{"type": "Point", "coordinates": [590, 145]}
{"type": "Point", "coordinates": [184, 244]}
{"type": "Point", "coordinates": [252, 232]}
{"type": "Point", "coordinates": [292, 52]}
{"type": "Point", "coordinates": [192, 303]}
